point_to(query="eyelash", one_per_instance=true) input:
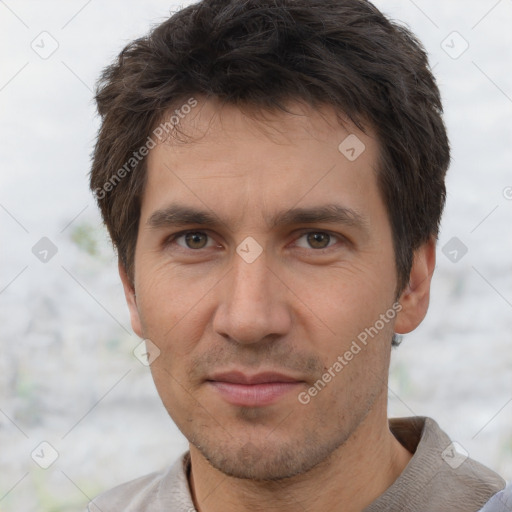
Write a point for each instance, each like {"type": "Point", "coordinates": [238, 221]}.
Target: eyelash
{"type": "Point", "coordinates": [181, 234]}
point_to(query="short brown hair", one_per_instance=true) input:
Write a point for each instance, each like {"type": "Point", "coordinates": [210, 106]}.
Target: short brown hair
{"type": "Point", "coordinates": [262, 54]}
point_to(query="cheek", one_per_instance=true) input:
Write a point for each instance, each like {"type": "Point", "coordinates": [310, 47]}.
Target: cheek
{"type": "Point", "coordinates": [345, 300]}
{"type": "Point", "coordinates": [173, 306]}
{"type": "Point", "coordinates": [349, 326]}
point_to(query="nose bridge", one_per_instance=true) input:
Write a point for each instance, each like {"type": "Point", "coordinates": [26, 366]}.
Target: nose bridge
{"type": "Point", "coordinates": [251, 306]}
{"type": "Point", "coordinates": [249, 277]}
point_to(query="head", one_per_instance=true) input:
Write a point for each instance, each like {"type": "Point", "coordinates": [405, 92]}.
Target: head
{"type": "Point", "coordinates": [272, 177]}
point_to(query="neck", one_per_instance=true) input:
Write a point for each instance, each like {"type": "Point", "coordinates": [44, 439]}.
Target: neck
{"type": "Point", "coordinates": [350, 479]}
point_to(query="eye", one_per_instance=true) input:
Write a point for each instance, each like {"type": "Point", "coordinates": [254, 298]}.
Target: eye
{"type": "Point", "coordinates": [196, 240]}
{"type": "Point", "coordinates": [317, 240]}
{"type": "Point", "coordinates": [192, 240]}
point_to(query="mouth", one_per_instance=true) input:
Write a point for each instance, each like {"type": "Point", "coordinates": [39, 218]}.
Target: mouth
{"type": "Point", "coordinates": [261, 389]}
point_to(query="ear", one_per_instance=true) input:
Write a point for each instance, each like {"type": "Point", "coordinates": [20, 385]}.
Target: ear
{"type": "Point", "coordinates": [416, 295]}
{"type": "Point", "coordinates": [131, 300]}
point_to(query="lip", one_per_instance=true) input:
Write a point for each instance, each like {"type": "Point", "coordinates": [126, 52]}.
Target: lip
{"type": "Point", "coordinates": [260, 389]}
{"type": "Point", "coordinates": [237, 377]}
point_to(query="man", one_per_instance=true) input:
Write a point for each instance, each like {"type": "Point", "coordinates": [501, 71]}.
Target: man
{"type": "Point", "coordinates": [272, 176]}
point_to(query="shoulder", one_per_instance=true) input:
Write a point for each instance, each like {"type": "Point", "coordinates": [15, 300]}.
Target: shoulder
{"type": "Point", "coordinates": [167, 488]}
{"type": "Point", "coordinates": [500, 502]}
{"type": "Point", "coordinates": [140, 491]}
{"type": "Point", "coordinates": [439, 476]}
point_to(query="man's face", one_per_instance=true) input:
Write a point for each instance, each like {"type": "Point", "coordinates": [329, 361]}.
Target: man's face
{"type": "Point", "coordinates": [213, 303]}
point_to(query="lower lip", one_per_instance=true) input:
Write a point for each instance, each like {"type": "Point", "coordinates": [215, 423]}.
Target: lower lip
{"type": "Point", "coordinates": [253, 394]}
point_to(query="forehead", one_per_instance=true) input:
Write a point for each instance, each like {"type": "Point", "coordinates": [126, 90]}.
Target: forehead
{"type": "Point", "coordinates": [262, 162]}
{"type": "Point", "coordinates": [211, 121]}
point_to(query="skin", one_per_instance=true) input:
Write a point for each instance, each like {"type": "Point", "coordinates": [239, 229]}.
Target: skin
{"type": "Point", "coordinates": [294, 310]}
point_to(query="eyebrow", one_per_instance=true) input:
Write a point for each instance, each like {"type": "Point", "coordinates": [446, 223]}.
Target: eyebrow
{"type": "Point", "coordinates": [180, 215]}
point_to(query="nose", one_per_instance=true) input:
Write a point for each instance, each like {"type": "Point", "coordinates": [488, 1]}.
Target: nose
{"type": "Point", "coordinates": [253, 304]}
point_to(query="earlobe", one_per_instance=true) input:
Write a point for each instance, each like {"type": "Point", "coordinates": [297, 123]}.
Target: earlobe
{"type": "Point", "coordinates": [415, 297]}
{"type": "Point", "coordinates": [131, 300]}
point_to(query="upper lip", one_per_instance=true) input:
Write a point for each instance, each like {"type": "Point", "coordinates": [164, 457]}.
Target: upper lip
{"type": "Point", "coordinates": [237, 377]}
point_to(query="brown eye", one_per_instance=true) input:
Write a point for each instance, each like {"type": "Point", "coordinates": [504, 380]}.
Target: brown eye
{"type": "Point", "coordinates": [196, 240]}
{"type": "Point", "coordinates": [318, 240]}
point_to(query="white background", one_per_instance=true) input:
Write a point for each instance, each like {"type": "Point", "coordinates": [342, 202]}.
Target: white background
{"type": "Point", "coordinates": [67, 374]}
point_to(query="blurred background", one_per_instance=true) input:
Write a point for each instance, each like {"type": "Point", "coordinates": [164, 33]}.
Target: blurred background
{"type": "Point", "coordinates": [72, 395]}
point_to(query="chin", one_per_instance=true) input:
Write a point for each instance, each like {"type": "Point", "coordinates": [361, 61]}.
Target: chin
{"type": "Point", "coordinates": [266, 462]}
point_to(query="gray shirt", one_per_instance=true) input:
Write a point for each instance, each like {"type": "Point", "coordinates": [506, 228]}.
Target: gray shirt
{"type": "Point", "coordinates": [437, 479]}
